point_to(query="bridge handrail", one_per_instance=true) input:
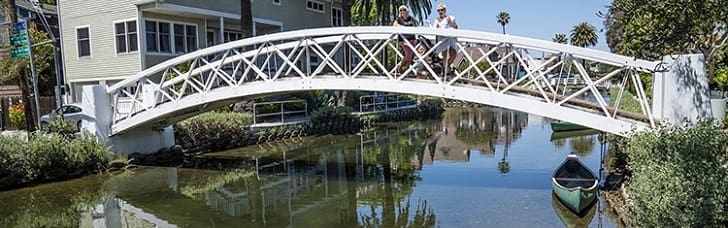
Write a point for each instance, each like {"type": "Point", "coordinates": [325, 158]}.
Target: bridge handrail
{"type": "Point", "coordinates": [463, 35]}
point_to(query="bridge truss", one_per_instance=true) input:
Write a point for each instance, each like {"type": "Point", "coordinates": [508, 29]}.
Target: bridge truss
{"type": "Point", "coordinates": [500, 70]}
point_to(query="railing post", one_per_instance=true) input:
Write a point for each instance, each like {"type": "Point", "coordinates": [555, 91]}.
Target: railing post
{"type": "Point", "coordinates": [282, 113]}
{"type": "Point", "coordinates": [255, 116]}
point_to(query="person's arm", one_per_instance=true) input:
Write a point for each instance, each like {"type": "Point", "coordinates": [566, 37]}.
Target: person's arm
{"type": "Point", "coordinates": [453, 24]}
{"type": "Point", "coordinates": [416, 23]}
{"type": "Point", "coordinates": [395, 23]}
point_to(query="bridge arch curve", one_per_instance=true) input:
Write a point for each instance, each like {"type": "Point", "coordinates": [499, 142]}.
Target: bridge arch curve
{"type": "Point", "coordinates": [524, 76]}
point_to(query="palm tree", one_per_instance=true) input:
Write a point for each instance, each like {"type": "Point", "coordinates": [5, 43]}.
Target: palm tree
{"type": "Point", "coordinates": [385, 9]}
{"type": "Point", "coordinates": [503, 19]}
{"type": "Point", "coordinates": [560, 38]}
{"type": "Point", "coordinates": [584, 35]}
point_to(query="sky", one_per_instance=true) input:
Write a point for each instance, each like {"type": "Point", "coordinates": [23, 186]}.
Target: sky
{"type": "Point", "coordinates": [539, 19]}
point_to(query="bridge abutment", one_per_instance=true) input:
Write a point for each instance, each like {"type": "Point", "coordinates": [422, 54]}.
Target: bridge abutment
{"type": "Point", "coordinates": [681, 92]}
{"type": "Point", "coordinates": [96, 102]}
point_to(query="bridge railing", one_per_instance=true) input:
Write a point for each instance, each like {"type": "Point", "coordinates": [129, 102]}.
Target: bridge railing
{"type": "Point", "coordinates": [490, 62]}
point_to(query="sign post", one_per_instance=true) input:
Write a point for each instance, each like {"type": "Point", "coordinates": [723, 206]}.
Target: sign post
{"type": "Point", "coordinates": [20, 41]}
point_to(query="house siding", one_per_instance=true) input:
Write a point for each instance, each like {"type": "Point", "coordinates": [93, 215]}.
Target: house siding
{"type": "Point", "coordinates": [226, 6]}
{"type": "Point", "coordinates": [265, 9]}
{"type": "Point", "coordinates": [103, 62]}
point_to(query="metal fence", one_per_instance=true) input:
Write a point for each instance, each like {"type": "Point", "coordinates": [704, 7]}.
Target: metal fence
{"type": "Point", "coordinates": [384, 103]}
{"type": "Point", "coordinates": [280, 111]}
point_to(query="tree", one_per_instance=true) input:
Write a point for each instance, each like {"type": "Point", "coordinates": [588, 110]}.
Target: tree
{"type": "Point", "coordinates": [560, 38]}
{"type": "Point", "coordinates": [503, 19]}
{"type": "Point", "coordinates": [654, 28]}
{"type": "Point", "coordinates": [246, 18]}
{"type": "Point", "coordinates": [584, 35]}
{"type": "Point", "coordinates": [385, 9]}
{"type": "Point", "coordinates": [19, 68]}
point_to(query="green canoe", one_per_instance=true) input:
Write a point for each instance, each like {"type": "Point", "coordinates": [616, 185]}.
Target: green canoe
{"type": "Point", "coordinates": [575, 184]}
{"type": "Point", "coordinates": [566, 126]}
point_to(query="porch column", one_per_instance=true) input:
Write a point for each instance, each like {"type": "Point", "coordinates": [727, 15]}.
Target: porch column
{"type": "Point", "coordinates": [222, 30]}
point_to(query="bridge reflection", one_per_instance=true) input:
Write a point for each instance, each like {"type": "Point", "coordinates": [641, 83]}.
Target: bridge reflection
{"type": "Point", "coordinates": [365, 183]}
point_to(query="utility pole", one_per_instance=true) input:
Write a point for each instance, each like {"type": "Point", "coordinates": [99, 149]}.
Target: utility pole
{"type": "Point", "coordinates": [59, 82]}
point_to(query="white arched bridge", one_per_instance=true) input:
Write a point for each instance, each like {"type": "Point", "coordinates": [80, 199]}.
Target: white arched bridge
{"type": "Point", "coordinates": [500, 70]}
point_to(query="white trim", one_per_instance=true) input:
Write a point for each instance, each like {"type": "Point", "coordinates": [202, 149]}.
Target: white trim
{"type": "Point", "coordinates": [197, 10]}
{"type": "Point", "coordinates": [113, 27]}
{"type": "Point", "coordinates": [96, 79]}
{"type": "Point", "coordinates": [316, 10]}
{"type": "Point", "coordinates": [264, 21]}
{"type": "Point", "coordinates": [78, 48]}
{"type": "Point", "coordinates": [141, 38]}
{"type": "Point", "coordinates": [278, 3]}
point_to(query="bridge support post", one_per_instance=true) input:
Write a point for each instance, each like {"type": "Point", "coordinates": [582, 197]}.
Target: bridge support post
{"type": "Point", "coordinates": [96, 102]}
{"type": "Point", "coordinates": [682, 91]}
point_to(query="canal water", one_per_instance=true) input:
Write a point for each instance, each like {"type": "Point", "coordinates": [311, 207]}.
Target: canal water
{"type": "Point", "coordinates": [478, 167]}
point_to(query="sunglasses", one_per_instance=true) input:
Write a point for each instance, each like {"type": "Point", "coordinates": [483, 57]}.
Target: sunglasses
{"type": "Point", "coordinates": [440, 10]}
{"type": "Point", "coordinates": [403, 10]}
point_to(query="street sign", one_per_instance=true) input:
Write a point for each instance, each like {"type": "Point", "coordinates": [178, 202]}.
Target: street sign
{"type": "Point", "coordinates": [19, 39]}
{"type": "Point", "coordinates": [20, 26]}
{"type": "Point", "coordinates": [20, 52]}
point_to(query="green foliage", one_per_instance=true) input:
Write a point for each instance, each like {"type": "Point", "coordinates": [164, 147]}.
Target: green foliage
{"type": "Point", "coordinates": [16, 114]}
{"type": "Point", "coordinates": [560, 38]}
{"type": "Point", "coordinates": [628, 102]}
{"type": "Point", "coordinates": [64, 128]}
{"type": "Point", "coordinates": [583, 35]}
{"type": "Point", "coordinates": [332, 114]}
{"type": "Point", "coordinates": [50, 156]}
{"type": "Point", "coordinates": [382, 12]}
{"type": "Point", "coordinates": [677, 179]}
{"type": "Point", "coordinates": [213, 127]}
{"type": "Point", "coordinates": [721, 78]}
{"type": "Point", "coordinates": [503, 18]}
{"type": "Point", "coordinates": [214, 119]}
{"type": "Point", "coordinates": [655, 28]}
{"type": "Point", "coordinates": [11, 69]}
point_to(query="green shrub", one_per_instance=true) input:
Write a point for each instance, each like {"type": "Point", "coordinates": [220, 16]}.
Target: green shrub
{"type": "Point", "coordinates": [332, 114]}
{"type": "Point", "coordinates": [214, 127]}
{"type": "Point", "coordinates": [64, 128]}
{"type": "Point", "coordinates": [50, 156]}
{"type": "Point", "coordinates": [677, 179]}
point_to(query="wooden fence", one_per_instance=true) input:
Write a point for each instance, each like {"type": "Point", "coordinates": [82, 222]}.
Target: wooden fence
{"type": "Point", "coordinates": [47, 105]}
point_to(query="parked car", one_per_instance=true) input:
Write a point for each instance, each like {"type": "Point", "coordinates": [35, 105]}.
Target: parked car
{"type": "Point", "coordinates": [72, 113]}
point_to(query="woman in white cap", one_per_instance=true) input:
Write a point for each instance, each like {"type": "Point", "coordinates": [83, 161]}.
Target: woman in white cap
{"type": "Point", "coordinates": [448, 45]}
{"type": "Point", "coordinates": [405, 19]}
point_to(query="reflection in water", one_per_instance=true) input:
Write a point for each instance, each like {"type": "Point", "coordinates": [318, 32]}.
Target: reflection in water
{"type": "Point", "coordinates": [569, 218]}
{"type": "Point", "coordinates": [421, 174]}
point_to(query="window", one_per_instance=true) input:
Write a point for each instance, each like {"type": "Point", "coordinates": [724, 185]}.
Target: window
{"type": "Point", "coordinates": [126, 37]}
{"type": "Point", "coordinates": [158, 36]}
{"type": "Point", "coordinates": [185, 38]}
{"type": "Point", "coordinates": [336, 17]}
{"type": "Point", "coordinates": [277, 2]}
{"type": "Point", "coordinates": [315, 6]}
{"type": "Point", "coordinates": [166, 37]}
{"type": "Point", "coordinates": [83, 39]}
{"type": "Point", "coordinates": [232, 36]}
